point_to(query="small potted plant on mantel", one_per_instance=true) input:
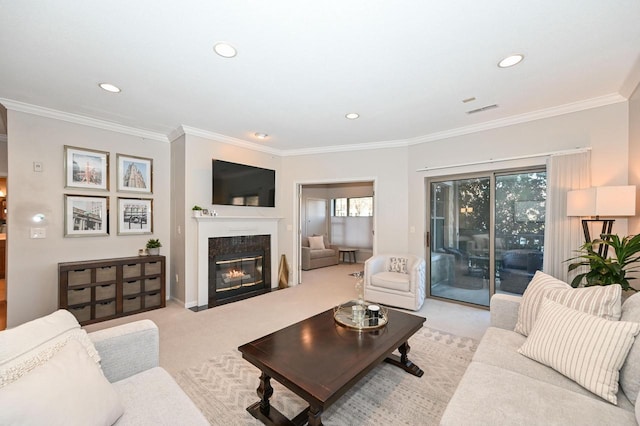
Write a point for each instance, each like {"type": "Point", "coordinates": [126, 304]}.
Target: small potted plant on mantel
{"type": "Point", "coordinates": [197, 211]}
{"type": "Point", "coordinates": [153, 247]}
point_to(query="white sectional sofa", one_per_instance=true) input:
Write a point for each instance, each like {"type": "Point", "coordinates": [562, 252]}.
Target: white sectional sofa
{"type": "Point", "coordinates": [53, 372]}
{"type": "Point", "coordinates": [503, 387]}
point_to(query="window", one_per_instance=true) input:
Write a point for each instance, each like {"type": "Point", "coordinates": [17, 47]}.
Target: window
{"type": "Point", "coordinates": [360, 206]}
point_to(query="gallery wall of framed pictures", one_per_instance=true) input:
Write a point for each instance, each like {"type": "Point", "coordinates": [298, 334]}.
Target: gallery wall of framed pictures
{"type": "Point", "coordinates": [87, 214]}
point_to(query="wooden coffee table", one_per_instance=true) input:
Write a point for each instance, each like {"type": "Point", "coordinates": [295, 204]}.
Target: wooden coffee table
{"type": "Point", "coordinates": [319, 360]}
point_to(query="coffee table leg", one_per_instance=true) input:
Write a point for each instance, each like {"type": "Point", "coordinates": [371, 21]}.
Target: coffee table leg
{"type": "Point", "coordinates": [314, 416]}
{"type": "Point", "coordinates": [404, 362]}
{"type": "Point", "coordinates": [265, 391]}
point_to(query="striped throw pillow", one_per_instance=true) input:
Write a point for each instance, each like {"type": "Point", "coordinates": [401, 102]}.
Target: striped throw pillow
{"type": "Point", "coordinates": [587, 349]}
{"type": "Point", "coordinates": [603, 301]}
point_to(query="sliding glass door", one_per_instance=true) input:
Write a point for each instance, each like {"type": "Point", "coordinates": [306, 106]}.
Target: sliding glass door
{"type": "Point", "coordinates": [486, 234]}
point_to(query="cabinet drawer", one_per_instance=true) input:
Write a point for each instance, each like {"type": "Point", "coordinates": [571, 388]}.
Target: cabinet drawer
{"type": "Point", "coordinates": [129, 271]}
{"type": "Point", "coordinates": [152, 284]}
{"type": "Point", "coordinates": [107, 273]}
{"type": "Point", "coordinates": [152, 300]}
{"type": "Point", "coordinates": [131, 287]}
{"type": "Point", "coordinates": [105, 292]}
{"type": "Point", "coordinates": [80, 276]}
{"type": "Point", "coordinates": [131, 304]}
{"type": "Point", "coordinates": [105, 309]}
{"type": "Point", "coordinates": [80, 295]}
{"type": "Point", "coordinates": [153, 268]}
{"type": "Point", "coordinates": [82, 314]}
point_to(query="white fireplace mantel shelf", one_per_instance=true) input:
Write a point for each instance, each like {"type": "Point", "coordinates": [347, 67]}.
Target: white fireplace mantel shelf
{"type": "Point", "coordinates": [223, 218]}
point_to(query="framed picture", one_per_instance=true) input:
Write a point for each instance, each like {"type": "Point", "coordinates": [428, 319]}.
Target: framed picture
{"type": "Point", "coordinates": [86, 216]}
{"type": "Point", "coordinates": [135, 216]}
{"type": "Point", "coordinates": [134, 174]}
{"type": "Point", "coordinates": [86, 168]}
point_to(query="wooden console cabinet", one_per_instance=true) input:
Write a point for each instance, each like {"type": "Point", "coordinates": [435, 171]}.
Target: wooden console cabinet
{"type": "Point", "coordinates": [99, 290]}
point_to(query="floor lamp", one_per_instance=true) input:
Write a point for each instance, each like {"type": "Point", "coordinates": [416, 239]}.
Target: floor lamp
{"type": "Point", "coordinates": [600, 201]}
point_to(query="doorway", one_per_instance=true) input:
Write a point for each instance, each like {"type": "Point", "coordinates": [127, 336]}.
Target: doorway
{"type": "Point", "coordinates": [486, 233]}
{"type": "Point", "coordinates": [342, 211]}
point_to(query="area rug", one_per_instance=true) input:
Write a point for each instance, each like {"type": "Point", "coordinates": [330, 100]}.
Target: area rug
{"type": "Point", "coordinates": [224, 386]}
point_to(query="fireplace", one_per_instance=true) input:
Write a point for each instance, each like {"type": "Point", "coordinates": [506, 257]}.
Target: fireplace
{"type": "Point", "coordinates": [239, 267]}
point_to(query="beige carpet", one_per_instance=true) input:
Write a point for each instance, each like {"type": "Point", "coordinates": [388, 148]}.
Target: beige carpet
{"type": "Point", "coordinates": [223, 386]}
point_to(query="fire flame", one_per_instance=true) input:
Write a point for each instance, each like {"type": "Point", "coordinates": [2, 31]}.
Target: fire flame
{"type": "Point", "coordinates": [235, 273]}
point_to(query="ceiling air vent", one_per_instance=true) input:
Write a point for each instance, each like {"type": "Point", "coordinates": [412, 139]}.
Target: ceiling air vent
{"type": "Point", "coordinates": [484, 108]}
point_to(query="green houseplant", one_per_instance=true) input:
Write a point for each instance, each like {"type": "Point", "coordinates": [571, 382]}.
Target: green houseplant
{"type": "Point", "coordinates": [607, 270]}
{"type": "Point", "coordinates": [153, 246]}
{"type": "Point", "coordinates": [197, 210]}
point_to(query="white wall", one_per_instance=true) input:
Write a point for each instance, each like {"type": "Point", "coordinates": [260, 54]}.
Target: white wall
{"type": "Point", "coordinates": [196, 185]}
{"type": "Point", "coordinates": [387, 167]}
{"type": "Point", "coordinates": [604, 129]}
{"type": "Point", "coordinates": [634, 156]}
{"type": "Point", "coordinates": [32, 275]}
{"type": "Point", "coordinates": [4, 164]}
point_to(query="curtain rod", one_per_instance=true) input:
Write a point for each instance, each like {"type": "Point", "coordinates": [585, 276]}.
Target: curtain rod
{"type": "Point", "coordinates": [496, 160]}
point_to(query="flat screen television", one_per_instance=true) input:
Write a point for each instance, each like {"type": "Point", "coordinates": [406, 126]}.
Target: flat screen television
{"type": "Point", "coordinates": [242, 185]}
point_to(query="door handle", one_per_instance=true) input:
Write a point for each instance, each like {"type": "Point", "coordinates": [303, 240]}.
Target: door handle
{"type": "Point", "coordinates": [428, 239]}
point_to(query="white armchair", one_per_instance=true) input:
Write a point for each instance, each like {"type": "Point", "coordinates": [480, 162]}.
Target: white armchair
{"type": "Point", "coordinates": [395, 280]}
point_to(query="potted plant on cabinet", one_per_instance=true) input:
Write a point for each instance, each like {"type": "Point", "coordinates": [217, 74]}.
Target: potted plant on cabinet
{"type": "Point", "coordinates": [153, 247]}
{"type": "Point", "coordinates": [606, 270]}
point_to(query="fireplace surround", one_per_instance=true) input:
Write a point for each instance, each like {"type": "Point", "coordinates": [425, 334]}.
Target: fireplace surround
{"type": "Point", "coordinates": [239, 267]}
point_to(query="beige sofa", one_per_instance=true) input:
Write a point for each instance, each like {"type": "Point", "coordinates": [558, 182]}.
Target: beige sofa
{"type": "Point", "coordinates": [503, 387]}
{"type": "Point", "coordinates": [318, 258]}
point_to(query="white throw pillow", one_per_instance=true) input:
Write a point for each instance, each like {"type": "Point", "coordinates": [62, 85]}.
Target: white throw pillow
{"type": "Point", "coordinates": [603, 301]}
{"type": "Point", "coordinates": [583, 347]}
{"type": "Point", "coordinates": [398, 264]}
{"type": "Point", "coordinates": [69, 389]}
{"type": "Point", "coordinates": [316, 242]}
{"type": "Point", "coordinates": [31, 344]}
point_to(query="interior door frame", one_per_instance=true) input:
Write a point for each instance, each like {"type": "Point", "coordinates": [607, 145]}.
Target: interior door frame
{"type": "Point", "coordinates": [297, 217]}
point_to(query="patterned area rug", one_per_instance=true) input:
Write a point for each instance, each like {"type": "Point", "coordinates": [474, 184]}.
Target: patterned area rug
{"type": "Point", "coordinates": [224, 386]}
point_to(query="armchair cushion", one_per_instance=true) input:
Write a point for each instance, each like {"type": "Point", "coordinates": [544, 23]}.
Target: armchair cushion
{"type": "Point", "coordinates": [392, 280]}
{"type": "Point", "coordinates": [316, 242]}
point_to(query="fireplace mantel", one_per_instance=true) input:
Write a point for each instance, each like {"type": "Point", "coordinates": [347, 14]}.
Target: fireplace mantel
{"type": "Point", "coordinates": [232, 226]}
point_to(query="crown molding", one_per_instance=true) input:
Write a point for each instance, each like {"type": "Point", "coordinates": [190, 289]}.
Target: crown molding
{"type": "Point", "coordinates": [3, 138]}
{"type": "Point", "coordinates": [187, 130]}
{"type": "Point", "coordinates": [192, 131]}
{"type": "Point", "coordinates": [600, 101]}
{"type": "Point", "coordinates": [81, 119]}
{"type": "Point", "coordinates": [632, 81]}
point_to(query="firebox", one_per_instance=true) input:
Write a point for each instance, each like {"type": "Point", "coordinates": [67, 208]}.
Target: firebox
{"type": "Point", "coordinates": [238, 268]}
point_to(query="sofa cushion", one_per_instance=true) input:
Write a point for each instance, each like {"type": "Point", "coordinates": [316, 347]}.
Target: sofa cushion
{"type": "Point", "coordinates": [630, 372]}
{"type": "Point", "coordinates": [398, 264]}
{"type": "Point", "coordinates": [316, 242]}
{"type": "Point", "coordinates": [583, 347]}
{"type": "Point", "coordinates": [490, 395]}
{"type": "Point", "coordinates": [316, 254]}
{"type": "Point", "coordinates": [69, 388]}
{"type": "Point", "coordinates": [603, 301]}
{"type": "Point", "coordinates": [391, 280]}
{"type": "Point", "coordinates": [154, 398]}
{"type": "Point", "coordinates": [31, 344]}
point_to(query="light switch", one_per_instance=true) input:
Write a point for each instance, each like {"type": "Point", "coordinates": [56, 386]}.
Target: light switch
{"type": "Point", "coordinates": [37, 166]}
{"type": "Point", "coordinates": [38, 232]}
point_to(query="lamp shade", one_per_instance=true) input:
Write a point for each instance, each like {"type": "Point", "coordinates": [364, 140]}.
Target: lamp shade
{"type": "Point", "coordinates": [602, 201]}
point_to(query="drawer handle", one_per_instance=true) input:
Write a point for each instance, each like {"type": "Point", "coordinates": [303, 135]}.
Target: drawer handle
{"type": "Point", "coordinates": [132, 282]}
{"type": "Point", "coordinates": [154, 294]}
{"type": "Point", "coordinates": [133, 264]}
{"type": "Point", "coordinates": [105, 267]}
{"type": "Point", "coordinates": [152, 279]}
{"type": "Point", "coordinates": [108, 285]}
{"type": "Point", "coordinates": [131, 298]}
{"type": "Point", "coordinates": [79, 270]}
{"type": "Point", "coordinates": [105, 303]}
{"type": "Point", "coordinates": [79, 289]}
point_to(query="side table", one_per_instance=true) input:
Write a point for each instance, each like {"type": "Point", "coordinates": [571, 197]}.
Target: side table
{"type": "Point", "coordinates": [349, 252]}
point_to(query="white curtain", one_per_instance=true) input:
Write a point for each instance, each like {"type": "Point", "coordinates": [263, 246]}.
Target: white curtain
{"type": "Point", "coordinates": [563, 234]}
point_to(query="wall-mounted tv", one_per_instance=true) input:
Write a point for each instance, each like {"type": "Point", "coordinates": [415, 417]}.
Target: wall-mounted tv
{"type": "Point", "coordinates": [242, 185]}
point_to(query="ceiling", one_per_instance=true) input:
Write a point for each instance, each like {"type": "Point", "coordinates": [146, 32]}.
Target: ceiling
{"type": "Point", "coordinates": [404, 66]}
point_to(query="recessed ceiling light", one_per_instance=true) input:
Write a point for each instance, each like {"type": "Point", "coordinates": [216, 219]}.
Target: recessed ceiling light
{"type": "Point", "coordinates": [352, 115]}
{"type": "Point", "coordinates": [510, 61]}
{"type": "Point", "coordinates": [225, 50]}
{"type": "Point", "coordinates": [109, 87]}
{"type": "Point", "coordinates": [260, 135]}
